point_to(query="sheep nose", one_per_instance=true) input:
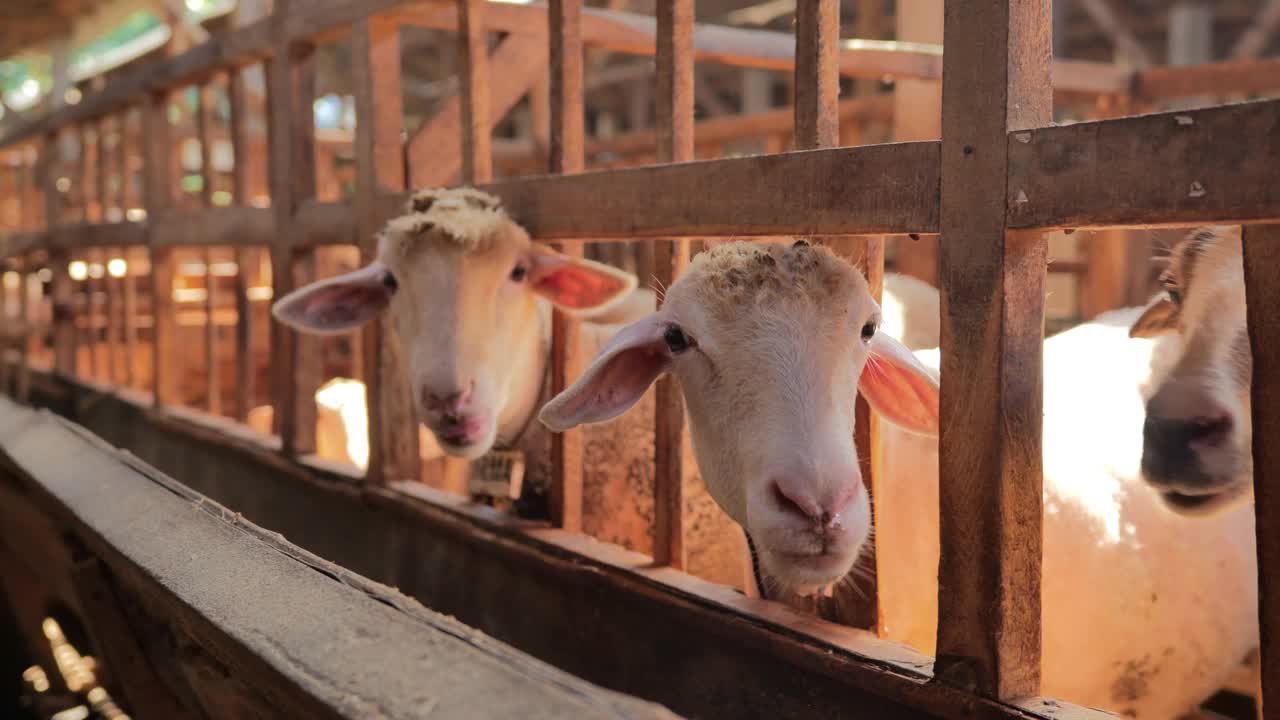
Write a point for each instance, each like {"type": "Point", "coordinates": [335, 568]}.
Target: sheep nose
{"type": "Point", "coordinates": [1173, 436]}
{"type": "Point", "coordinates": [450, 402]}
{"type": "Point", "coordinates": [824, 508]}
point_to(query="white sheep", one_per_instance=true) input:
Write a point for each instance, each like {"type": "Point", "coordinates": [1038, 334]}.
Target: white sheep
{"type": "Point", "coordinates": [1144, 613]}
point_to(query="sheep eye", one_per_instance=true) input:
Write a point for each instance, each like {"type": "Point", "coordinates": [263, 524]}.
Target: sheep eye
{"type": "Point", "coordinates": [1175, 297]}
{"type": "Point", "coordinates": [869, 331]}
{"type": "Point", "coordinates": [677, 342]}
{"type": "Point", "coordinates": [518, 273]}
{"type": "Point", "coordinates": [389, 282]}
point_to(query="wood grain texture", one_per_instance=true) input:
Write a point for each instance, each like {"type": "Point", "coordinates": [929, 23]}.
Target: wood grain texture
{"type": "Point", "coordinates": [997, 67]}
{"type": "Point", "coordinates": [375, 67]}
{"type": "Point", "coordinates": [477, 133]}
{"type": "Point", "coordinates": [567, 140]}
{"type": "Point", "coordinates": [844, 191]}
{"type": "Point", "coordinates": [1262, 291]}
{"type": "Point", "coordinates": [674, 101]}
{"type": "Point", "coordinates": [1219, 164]}
{"type": "Point", "coordinates": [291, 76]}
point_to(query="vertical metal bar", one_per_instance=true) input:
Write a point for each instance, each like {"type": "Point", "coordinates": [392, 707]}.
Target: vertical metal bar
{"type": "Point", "coordinates": [477, 155]}
{"type": "Point", "coordinates": [295, 360]}
{"type": "Point", "coordinates": [997, 67]}
{"type": "Point", "coordinates": [1262, 293]}
{"type": "Point", "coordinates": [204, 131]}
{"type": "Point", "coordinates": [375, 69]}
{"type": "Point", "coordinates": [567, 147]}
{"type": "Point", "coordinates": [244, 256]}
{"type": "Point", "coordinates": [674, 102]}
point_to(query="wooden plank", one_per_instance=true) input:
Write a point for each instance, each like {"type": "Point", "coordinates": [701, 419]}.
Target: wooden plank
{"type": "Point", "coordinates": [870, 189]}
{"type": "Point", "coordinates": [176, 552]}
{"type": "Point", "coordinates": [244, 257]}
{"type": "Point", "coordinates": [567, 148]}
{"type": "Point", "coordinates": [1214, 79]}
{"type": "Point", "coordinates": [817, 125]}
{"type": "Point", "coordinates": [112, 311]}
{"type": "Point", "coordinates": [156, 149]}
{"type": "Point", "coordinates": [204, 133]}
{"type": "Point", "coordinates": [375, 71]}
{"type": "Point", "coordinates": [90, 287]}
{"type": "Point", "coordinates": [412, 536]}
{"type": "Point", "coordinates": [473, 44]}
{"type": "Point", "coordinates": [102, 169]}
{"type": "Point", "coordinates": [294, 358]}
{"type": "Point", "coordinates": [82, 236]}
{"type": "Point", "coordinates": [64, 329]}
{"type": "Point", "coordinates": [130, 283]}
{"type": "Point", "coordinates": [1253, 41]}
{"type": "Point", "coordinates": [1218, 164]}
{"type": "Point", "coordinates": [435, 156]}
{"type": "Point", "coordinates": [998, 79]}
{"type": "Point", "coordinates": [1262, 291]}
{"type": "Point", "coordinates": [674, 101]}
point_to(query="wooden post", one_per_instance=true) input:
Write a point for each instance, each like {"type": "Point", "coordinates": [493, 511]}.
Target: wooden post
{"type": "Point", "coordinates": [23, 389]}
{"type": "Point", "coordinates": [295, 360]}
{"type": "Point", "coordinates": [244, 256]}
{"type": "Point", "coordinates": [204, 131]}
{"type": "Point", "coordinates": [375, 70]}
{"type": "Point", "coordinates": [64, 328]}
{"type": "Point", "coordinates": [567, 147]}
{"type": "Point", "coordinates": [997, 67]}
{"type": "Point", "coordinates": [1262, 293]}
{"type": "Point", "coordinates": [477, 156]}
{"type": "Point", "coordinates": [156, 151]}
{"type": "Point", "coordinates": [130, 285]}
{"type": "Point", "coordinates": [817, 125]}
{"type": "Point", "coordinates": [917, 115]}
{"type": "Point", "coordinates": [674, 101]}
{"type": "Point", "coordinates": [112, 312]}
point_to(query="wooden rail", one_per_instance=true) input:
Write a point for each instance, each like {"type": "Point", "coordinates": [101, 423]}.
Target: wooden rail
{"type": "Point", "coordinates": [1000, 177]}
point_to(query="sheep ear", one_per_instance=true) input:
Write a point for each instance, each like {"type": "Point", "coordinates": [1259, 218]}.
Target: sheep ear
{"type": "Point", "coordinates": [577, 285]}
{"type": "Point", "coordinates": [617, 378]}
{"type": "Point", "coordinates": [899, 387]}
{"type": "Point", "coordinates": [337, 304]}
{"type": "Point", "coordinates": [1159, 318]}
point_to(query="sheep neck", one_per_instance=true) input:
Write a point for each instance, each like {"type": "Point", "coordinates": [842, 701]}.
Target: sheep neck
{"type": "Point", "coordinates": [533, 350]}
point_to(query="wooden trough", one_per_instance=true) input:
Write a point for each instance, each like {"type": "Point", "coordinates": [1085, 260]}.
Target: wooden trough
{"type": "Point", "coordinates": [1001, 177]}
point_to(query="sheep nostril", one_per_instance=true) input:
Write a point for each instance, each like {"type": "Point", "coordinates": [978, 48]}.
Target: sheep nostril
{"type": "Point", "coordinates": [1210, 431]}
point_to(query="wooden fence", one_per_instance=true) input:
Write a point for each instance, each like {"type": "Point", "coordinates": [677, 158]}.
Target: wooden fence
{"type": "Point", "coordinates": [1001, 177]}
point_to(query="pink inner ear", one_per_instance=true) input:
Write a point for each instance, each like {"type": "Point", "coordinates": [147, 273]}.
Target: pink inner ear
{"type": "Point", "coordinates": [616, 386]}
{"type": "Point", "coordinates": [903, 397]}
{"type": "Point", "coordinates": [344, 304]}
{"type": "Point", "coordinates": [576, 287]}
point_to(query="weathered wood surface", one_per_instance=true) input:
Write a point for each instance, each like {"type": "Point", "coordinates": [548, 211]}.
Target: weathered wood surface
{"type": "Point", "coordinates": [477, 123]}
{"type": "Point", "coordinates": [1174, 168]}
{"type": "Point", "coordinates": [567, 137]}
{"type": "Point", "coordinates": [1262, 290]}
{"type": "Point", "coordinates": [580, 600]}
{"type": "Point", "coordinates": [375, 66]}
{"type": "Point", "coordinates": [992, 293]}
{"type": "Point", "coordinates": [674, 109]}
{"type": "Point", "coordinates": [289, 634]}
{"type": "Point", "coordinates": [842, 191]}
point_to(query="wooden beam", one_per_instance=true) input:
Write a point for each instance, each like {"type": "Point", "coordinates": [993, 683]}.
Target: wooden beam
{"type": "Point", "coordinates": [870, 189]}
{"type": "Point", "coordinates": [375, 70]}
{"type": "Point", "coordinates": [1262, 291]}
{"type": "Point", "coordinates": [156, 168]}
{"type": "Point", "coordinates": [295, 365]}
{"type": "Point", "coordinates": [477, 132]}
{"type": "Point", "coordinates": [435, 155]}
{"type": "Point", "coordinates": [1221, 78]}
{"type": "Point", "coordinates": [917, 115]}
{"type": "Point", "coordinates": [992, 291]}
{"type": "Point", "coordinates": [1254, 40]}
{"type": "Point", "coordinates": [244, 257]}
{"type": "Point", "coordinates": [204, 122]}
{"type": "Point", "coordinates": [567, 139]}
{"type": "Point", "coordinates": [1175, 168]}
{"type": "Point", "coordinates": [64, 329]}
{"type": "Point", "coordinates": [674, 99]}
